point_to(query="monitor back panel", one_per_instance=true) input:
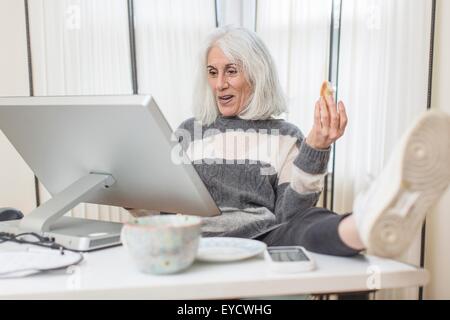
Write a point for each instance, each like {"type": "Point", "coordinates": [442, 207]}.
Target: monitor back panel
{"type": "Point", "coordinates": [64, 138]}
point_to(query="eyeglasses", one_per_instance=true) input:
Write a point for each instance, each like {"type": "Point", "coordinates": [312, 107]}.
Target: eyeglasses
{"type": "Point", "coordinates": [33, 239]}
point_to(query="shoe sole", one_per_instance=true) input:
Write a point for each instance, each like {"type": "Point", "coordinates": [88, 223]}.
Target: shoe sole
{"type": "Point", "coordinates": [424, 177]}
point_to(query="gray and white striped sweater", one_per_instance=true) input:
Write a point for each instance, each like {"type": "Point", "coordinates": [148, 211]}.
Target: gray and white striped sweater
{"type": "Point", "coordinates": [259, 172]}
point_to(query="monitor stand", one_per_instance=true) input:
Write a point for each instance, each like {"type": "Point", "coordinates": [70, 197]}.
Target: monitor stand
{"type": "Point", "coordinates": [73, 233]}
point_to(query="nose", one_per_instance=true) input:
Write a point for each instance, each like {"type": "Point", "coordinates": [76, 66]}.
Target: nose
{"type": "Point", "coordinates": [222, 82]}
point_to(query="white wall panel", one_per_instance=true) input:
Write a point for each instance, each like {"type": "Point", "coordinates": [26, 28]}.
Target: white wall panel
{"type": "Point", "coordinates": [438, 221]}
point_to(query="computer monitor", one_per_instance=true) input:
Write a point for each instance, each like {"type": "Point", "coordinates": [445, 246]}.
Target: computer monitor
{"type": "Point", "coordinates": [111, 150]}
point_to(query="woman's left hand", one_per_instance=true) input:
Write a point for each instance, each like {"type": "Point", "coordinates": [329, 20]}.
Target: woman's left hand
{"type": "Point", "coordinates": [329, 123]}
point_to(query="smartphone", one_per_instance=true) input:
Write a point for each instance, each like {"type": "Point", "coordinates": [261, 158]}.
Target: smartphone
{"type": "Point", "coordinates": [289, 259]}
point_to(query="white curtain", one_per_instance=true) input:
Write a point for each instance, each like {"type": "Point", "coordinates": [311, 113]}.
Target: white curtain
{"type": "Point", "coordinates": [237, 12]}
{"type": "Point", "coordinates": [16, 178]}
{"type": "Point", "coordinates": [81, 47]}
{"type": "Point", "coordinates": [297, 34]}
{"type": "Point", "coordinates": [383, 75]}
{"type": "Point", "coordinates": [168, 37]}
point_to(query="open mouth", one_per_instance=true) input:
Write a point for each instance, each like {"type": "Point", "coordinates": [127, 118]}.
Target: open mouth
{"type": "Point", "coordinates": [225, 99]}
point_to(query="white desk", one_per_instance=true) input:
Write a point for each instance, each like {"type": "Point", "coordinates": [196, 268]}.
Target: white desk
{"type": "Point", "coordinates": [110, 274]}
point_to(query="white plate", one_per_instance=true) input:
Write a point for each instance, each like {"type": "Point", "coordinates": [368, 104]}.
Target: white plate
{"type": "Point", "coordinates": [221, 249]}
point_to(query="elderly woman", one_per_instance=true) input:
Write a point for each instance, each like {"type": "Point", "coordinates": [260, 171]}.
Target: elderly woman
{"type": "Point", "coordinates": [270, 197]}
{"type": "Point", "coordinates": [266, 176]}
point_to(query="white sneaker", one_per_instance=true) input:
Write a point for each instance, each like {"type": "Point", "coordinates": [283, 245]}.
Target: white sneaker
{"type": "Point", "coordinates": [391, 212]}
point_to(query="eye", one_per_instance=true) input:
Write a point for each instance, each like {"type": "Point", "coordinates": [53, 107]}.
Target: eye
{"type": "Point", "coordinates": [212, 72]}
{"type": "Point", "coordinates": [232, 71]}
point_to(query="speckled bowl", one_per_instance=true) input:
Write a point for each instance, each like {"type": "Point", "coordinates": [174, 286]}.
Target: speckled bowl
{"type": "Point", "coordinates": [162, 244]}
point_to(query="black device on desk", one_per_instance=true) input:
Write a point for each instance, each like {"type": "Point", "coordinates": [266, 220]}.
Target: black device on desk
{"type": "Point", "coordinates": [289, 259]}
{"type": "Point", "coordinates": [10, 214]}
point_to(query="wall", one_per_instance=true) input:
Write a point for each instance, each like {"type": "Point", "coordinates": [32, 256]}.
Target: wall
{"type": "Point", "coordinates": [438, 222]}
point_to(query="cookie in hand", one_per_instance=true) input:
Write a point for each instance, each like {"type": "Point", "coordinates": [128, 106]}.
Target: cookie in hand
{"type": "Point", "coordinates": [326, 90]}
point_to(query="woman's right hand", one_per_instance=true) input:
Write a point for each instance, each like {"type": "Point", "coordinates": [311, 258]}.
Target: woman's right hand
{"type": "Point", "coordinates": [330, 122]}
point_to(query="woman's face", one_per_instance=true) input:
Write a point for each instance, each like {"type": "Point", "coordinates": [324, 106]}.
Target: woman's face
{"type": "Point", "coordinates": [228, 83]}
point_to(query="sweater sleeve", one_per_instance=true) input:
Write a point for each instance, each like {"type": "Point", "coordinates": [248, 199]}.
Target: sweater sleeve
{"type": "Point", "coordinates": [300, 179]}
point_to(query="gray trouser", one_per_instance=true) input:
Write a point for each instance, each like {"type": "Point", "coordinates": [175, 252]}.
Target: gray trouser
{"type": "Point", "coordinates": [316, 229]}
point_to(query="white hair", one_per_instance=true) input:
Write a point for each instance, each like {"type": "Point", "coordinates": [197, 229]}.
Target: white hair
{"type": "Point", "coordinates": [246, 49]}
